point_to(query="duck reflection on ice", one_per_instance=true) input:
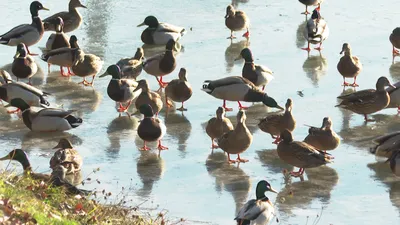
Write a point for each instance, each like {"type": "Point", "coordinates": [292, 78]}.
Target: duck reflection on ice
{"type": "Point", "coordinates": [47, 141]}
{"type": "Point", "coordinates": [150, 169]}
{"type": "Point", "coordinates": [179, 127]}
{"type": "Point", "coordinates": [347, 114]}
{"type": "Point", "coordinates": [270, 159]}
{"type": "Point", "coordinates": [235, 3]}
{"type": "Point", "coordinates": [230, 178]}
{"type": "Point", "coordinates": [36, 80]}
{"type": "Point", "coordinates": [394, 71]}
{"type": "Point", "coordinates": [315, 67]}
{"type": "Point", "coordinates": [319, 185]}
{"type": "Point", "coordinates": [300, 40]}
{"type": "Point", "coordinates": [151, 50]}
{"type": "Point", "coordinates": [120, 128]}
{"type": "Point", "coordinates": [233, 51]}
{"type": "Point", "coordinates": [385, 175]}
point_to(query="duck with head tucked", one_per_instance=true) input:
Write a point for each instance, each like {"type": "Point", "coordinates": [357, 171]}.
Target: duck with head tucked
{"type": "Point", "coordinates": [236, 20]}
{"type": "Point", "coordinates": [148, 97]}
{"type": "Point", "coordinates": [121, 90]}
{"type": "Point", "coordinates": [58, 39]}
{"type": "Point", "coordinates": [323, 138]}
{"type": "Point", "coordinates": [259, 75]}
{"type": "Point", "coordinates": [217, 126]}
{"type": "Point", "coordinates": [316, 31]}
{"type": "Point", "coordinates": [367, 101]}
{"type": "Point", "coordinates": [161, 64]}
{"type": "Point", "coordinates": [29, 34]}
{"type": "Point", "coordinates": [238, 140]}
{"type": "Point", "coordinates": [259, 211]}
{"type": "Point", "coordinates": [238, 89]}
{"type": "Point", "coordinates": [349, 66]}
{"type": "Point", "coordinates": [66, 156]}
{"type": "Point", "coordinates": [160, 33]}
{"type": "Point", "coordinates": [179, 90]}
{"type": "Point", "coordinates": [132, 67]}
{"type": "Point", "coordinates": [311, 3]}
{"type": "Point", "coordinates": [23, 66]}
{"type": "Point", "coordinates": [386, 145]}
{"type": "Point", "coordinates": [72, 19]}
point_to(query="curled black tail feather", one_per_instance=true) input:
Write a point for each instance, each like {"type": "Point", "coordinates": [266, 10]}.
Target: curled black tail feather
{"type": "Point", "coordinates": [242, 222]}
{"type": "Point", "coordinates": [74, 121]}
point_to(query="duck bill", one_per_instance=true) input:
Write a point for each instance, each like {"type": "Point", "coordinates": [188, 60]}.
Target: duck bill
{"type": "Point", "coordinates": [391, 85]}
{"type": "Point", "coordinates": [82, 6]}
{"type": "Point", "coordinates": [341, 52]}
{"type": "Point", "coordinates": [44, 8]}
{"type": "Point", "coordinates": [273, 190]}
{"type": "Point", "coordinates": [137, 88]}
{"type": "Point", "coordinates": [238, 58]}
{"type": "Point", "coordinates": [57, 147]}
{"type": "Point", "coordinates": [280, 107]}
{"type": "Point", "coordinates": [16, 55]}
{"type": "Point", "coordinates": [104, 74]}
{"type": "Point", "coordinates": [7, 157]}
{"type": "Point", "coordinates": [226, 16]}
{"type": "Point", "coordinates": [142, 24]}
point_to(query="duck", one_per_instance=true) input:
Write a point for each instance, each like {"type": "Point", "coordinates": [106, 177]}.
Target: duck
{"type": "Point", "coordinates": [148, 97]}
{"type": "Point", "coordinates": [386, 144]}
{"type": "Point", "coordinates": [236, 20]}
{"type": "Point", "coordinates": [259, 211]}
{"type": "Point", "coordinates": [132, 67]}
{"type": "Point", "coordinates": [58, 39]}
{"type": "Point", "coordinates": [367, 101]}
{"type": "Point", "coordinates": [300, 154]}
{"type": "Point", "coordinates": [47, 119]}
{"type": "Point", "coordinates": [276, 123]}
{"type": "Point", "coordinates": [394, 94]}
{"type": "Point", "coordinates": [311, 3]}
{"type": "Point", "coordinates": [160, 33]}
{"type": "Point", "coordinates": [179, 90]}
{"type": "Point", "coordinates": [395, 40]}
{"type": "Point", "coordinates": [86, 65]}
{"type": "Point", "coordinates": [217, 126]}
{"type": "Point", "coordinates": [236, 88]}
{"type": "Point", "coordinates": [238, 140]}
{"type": "Point", "coordinates": [31, 95]}
{"type": "Point", "coordinates": [151, 128]}
{"type": "Point", "coordinates": [394, 161]}
{"type": "Point", "coordinates": [23, 66]}
{"type": "Point", "coordinates": [66, 156]}
{"type": "Point", "coordinates": [121, 90]}
{"type": "Point", "coordinates": [349, 66]}
{"type": "Point", "coordinates": [29, 34]}
{"type": "Point", "coordinates": [323, 138]}
{"type": "Point", "coordinates": [63, 57]}
{"type": "Point", "coordinates": [259, 75]}
{"type": "Point", "coordinates": [161, 64]}
{"type": "Point", "coordinates": [72, 19]}
{"type": "Point", "coordinates": [316, 31]}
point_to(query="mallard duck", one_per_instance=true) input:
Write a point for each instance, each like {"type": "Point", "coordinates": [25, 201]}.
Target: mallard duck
{"type": "Point", "coordinates": [58, 39]}
{"type": "Point", "coordinates": [31, 95]}
{"type": "Point", "coordinates": [394, 94]}
{"type": "Point", "coordinates": [63, 57]}
{"type": "Point", "coordinates": [238, 140]}
{"type": "Point", "coordinates": [72, 19]}
{"type": "Point", "coordinates": [86, 65]}
{"type": "Point", "coordinates": [236, 20]}
{"type": "Point", "coordinates": [48, 119]}
{"type": "Point", "coordinates": [161, 64]}
{"type": "Point", "coordinates": [367, 101]}
{"type": "Point", "coordinates": [151, 128]}
{"type": "Point", "coordinates": [300, 154]}
{"type": "Point", "coordinates": [276, 123]}
{"type": "Point", "coordinates": [29, 34]}
{"type": "Point", "coordinates": [316, 31]}
{"type": "Point", "coordinates": [238, 89]}
{"type": "Point", "coordinates": [395, 162]}
{"type": "Point", "coordinates": [23, 66]}
{"type": "Point", "coordinates": [387, 144]}
{"type": "Point", "coordinates": [179, 90]}
{"type": "Point", "coordinates": [66, 156]}
{"type": "Point", "coordinates": [148, 97]}
{"type": "Point", "coordinates": [120, 90]}
{"type": "Point", "coordinates": [395, 40]}
{"type": "Point", "coordinates": [323, 138]}
{"type": "Point", "coordinates": [311, 3]}
{"type": "Point", "coordinates": [259, 75]}
{"type": "Point", "coordinates": [257, 211]}
{"type": "Point", "coordinates": [159, 33]}
{"type": "Point", "coordinates": [349, 66]}
{"type": "Point", "coordinates": [132, 67]}
{"type": "Point", "coordinates": [217, 126]}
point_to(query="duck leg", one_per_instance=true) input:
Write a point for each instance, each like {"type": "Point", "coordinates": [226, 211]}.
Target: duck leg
{"type": "Point", "coordinates": [181, 108]}
{"type": "Point", "coordinates": [306, 12]}
{"type": "Point", "coordinates": [224, 106]}
{"type": "Point", "coordinates": [298, 173]}
{"type": "Point", "coordinates": [247, 34]}
{"type": "Point", "coordinates": [84, 82]}
{"type": "Point", "coordinates": [230, 160]}
{"type": "Point", "coordinates": [122, 108]}
{"type": "Point", "coordinates": [161, 83]}
{"type": "Point", "coordinates": [69, 72]}
{"type": "Point", "coordinates": [354, 84]}
{"type": "Point", "coordinates": [213, 145]}
{"type": "Point", "coordinates": [277, 140]}
{"type": "Point", "coordinates": [161, 147]}
{"type": "Point", "coordinates": [319, 48]}
{"type": "Point", "coordinates": [91, 83]}
{"type": "Point", "coordinates": [48, 67]}
{"type": "Point", "coordinates": [231, 37]}
{"type": "Point", "coordinates": [62, 72]}
{"type": "Point", "coordinates": [242, 107]}
{"type": "Point", "coordinates": [241, 160]}
{"type": "Point", "coordinates": [308, 49]}
{"type": "Point", "coordinates": [367, 120]}
{"type": "Point", "coordinates": [29, 52]}
{"type": "Point", "coordinates": [345, 84]}
{"type": "Point", "coordinates": [144, 148]}
{"type": "Point", "coordinates": [166, 101]}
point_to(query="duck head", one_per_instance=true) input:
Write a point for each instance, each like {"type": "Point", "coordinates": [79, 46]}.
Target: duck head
{"type": "Point", "coordinates": [182, 74]}
{"type": "Point", "coordinates": [18, 103]}
{"type": "Point", "coordinates": [220, 112]}
{"type": "Point", "coordinates": [18, 155]}
{"type": "Point", "coordinates": [270, 102]}
{"type": "Point", "coordinates": [170, 45]}
{"type": "Point", "coordinates": [346, 49]}
{"type": "Point", "coordinates": [262, 187]}
{"type": "Point", "coordinates": [289, 105]}
{"type": "Point", "coordinates": [35, 7]}
{"type": "Point", "coordinates": [241, 116]}
{"type": "Point", "coordinates": [146, 110]}
{"type": "Point", "coordinates": [230, 11]}
{"type": "Point", "coordinates": [64, 144]}
{"type": "Point", "coordinates": [21, 51]}
{"type": "Point", "coordinates": [382, 83]}
{"type": "Point", "coordinates": [114, 71]}
{"type": "Point", "coordinates": [76, 4]}
{"type": "Point", "coordinates": [150, 21]}
{"type": "Point", "coordinates": [142, 84]}
{"type": "Point", "coordinates": [315, 15]}
{"type": "Point", "coordinates": [286, 136]}
{"type": "Point", "coordinates": [139, 55]}
{"type": "Point", "coordinates": [327, 123]}
{"type": "Point", "coordinates": [246, 55]}
{"type": "Point", "coordinates": [73, 42]}
{"type": "Point", "coordinates": [59, 24]}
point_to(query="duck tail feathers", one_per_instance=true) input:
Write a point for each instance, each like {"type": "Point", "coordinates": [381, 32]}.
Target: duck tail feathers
{"type": "Point", "coordinates": [46, 93]}
{"type": "Point", "coordinates": [206, 86]}
{"type": "Point", "coordinates": [44, 57]}
{"type": "Point", "coordinates": [74, 121]}
{"type": "Point", "coordinates": [3, 42]}
{"type": "Point", "coordinates": [242, 221]}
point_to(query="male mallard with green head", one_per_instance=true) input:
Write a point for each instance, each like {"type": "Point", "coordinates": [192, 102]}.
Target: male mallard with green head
{"type": "Point", "coordinates": [120, 90]}
{"type": "Point", "coordinates": [238, 140]}
{"type": "Point", "coordinates": [179, 90]}
{"type": "Point", "coordinates": [66, 156]}
{"type": "Point", "coordinates": [160, 33]}
{"type": "Point", "coordinates": [161, 64]}
{"type": "Point", "coordinates": [238, 89]}
{"type": "Point", "coordinates": [236, 20]}
{"type": "Point", "coordinates": [23, 66]}
{"type": "Point", "coordinates": [349, 66]}
{"type": "Point", "coordinates": [257, 211]}
{"type": "Point", "coordinates": [29, 34]}
{"type": "Point", "coordinates": [316, 31]}
{"type": "Point", "coordinates": [132, 67]}
{"type": "Point", "coordinates": [259, 75]}
{"type": "Point", "coordinates": [151, 128]}
{"type": "Point", "coordinates": [148, 97]}
{"type": "Point", "coordinates": [72, 19]}
{"type": "Point", "coordinates": [300, 154]}
{"type": "Point", "coordinates": [323, 138]}
{"type": "Point", "coordinates": [58, 39]}
{"type": "Point", "coordinates": [217, 126]}
{"type": "Point", "coordinates": [367, 101]}
{"type": "Point", "coordinates": [47, 119]}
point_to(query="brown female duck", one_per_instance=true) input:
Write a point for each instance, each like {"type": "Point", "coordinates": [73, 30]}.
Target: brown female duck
{"type": "Point", "coordinates": [86, 65]}
{"type": "Point", "coordinates": [132, 67]}
{"type": "Point", "coordinates": [349, 66]}
{"type": "Point", "coordinates": [236, 20]}
{"type": "Point", "coordinates": [323, 138]}
{"type": "Point", "coordinates": [148, 97]}
{"type": "Point", "coordinates": [217, 126]}
{"type": "Point", "coordinates": [72, 19]}
{"type": "Point", "coordinates": [179, 90]}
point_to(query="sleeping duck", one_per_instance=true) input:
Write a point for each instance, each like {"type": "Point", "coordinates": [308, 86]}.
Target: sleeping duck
{"type": "Point", "coordinates": [160, 33]}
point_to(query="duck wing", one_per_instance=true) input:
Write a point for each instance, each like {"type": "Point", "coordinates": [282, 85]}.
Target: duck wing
{"type": "Point", "coordinates": [359, 96]}
{"type": "Point", "coordinates": [52, 112]}
{"type": "Point", "coordinates": [251, 210]}
{"type": "Point", "coordinates": [305, 152]}
{"type": "Point", "coordinates": [16, 32]}
{"type": "Point", "coordinates": [212, 84]}
{"type": "Point", "coordinates": [383, 138]}
{"type": "Point", "coordinates": [165, 27]}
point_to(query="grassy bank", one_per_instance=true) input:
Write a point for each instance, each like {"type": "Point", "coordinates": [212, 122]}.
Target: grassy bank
{"type": "Point", "coordinates": [27, 201]}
